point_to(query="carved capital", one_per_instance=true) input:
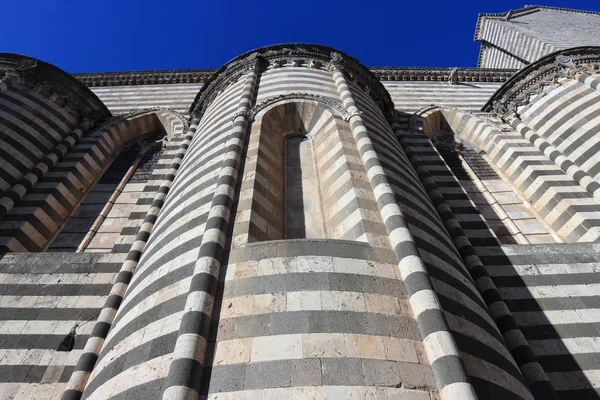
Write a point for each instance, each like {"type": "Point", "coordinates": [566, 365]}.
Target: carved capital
{"type": "Point", "coordinates": [352, 112]}
{"type": "Point", "coordinates": [243, 113]}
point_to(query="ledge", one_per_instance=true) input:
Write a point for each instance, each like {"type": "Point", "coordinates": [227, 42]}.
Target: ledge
{"type": "Point", "coordinates": [406, 74]}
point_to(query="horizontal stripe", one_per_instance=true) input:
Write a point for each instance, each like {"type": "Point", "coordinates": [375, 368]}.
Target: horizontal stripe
{"type": "Point", "coordinates": [277, 322]}
{"type": "Point", "coordinates": [295, 282]}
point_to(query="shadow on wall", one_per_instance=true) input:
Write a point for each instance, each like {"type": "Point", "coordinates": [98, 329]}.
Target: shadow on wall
{"type": "Point", "coordinates": [295, 223]}
{"type": "Point", "coordinates": [551, 289]}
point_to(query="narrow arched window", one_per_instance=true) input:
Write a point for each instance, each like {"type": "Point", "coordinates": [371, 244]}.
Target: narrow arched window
{"type": "Point", "coordinates": [303, 179]}
{"type": "Point", "coordinates": [303, 214]}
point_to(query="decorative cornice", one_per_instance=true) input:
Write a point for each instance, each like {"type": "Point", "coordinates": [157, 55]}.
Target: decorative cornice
{"type": "Point", "coordinates": [532, 79]}
{"type": "Point", "coordinates": [407, 74]}
{"type": "Point", "coordinates": [456, 75]}
{"type": "Point", "coordinates": [328, 101]}
{"type": "Point", "coordinates": [156, 77]}
{"type": "Point", "coordinates": [28, 73]}
{"type": "Point", "coordinates": [311, 56]}
{"type": "Point", "coordinates": [221, 79]}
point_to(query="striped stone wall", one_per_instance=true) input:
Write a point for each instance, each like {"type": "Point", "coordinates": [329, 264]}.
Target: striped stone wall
{"type": "Point", "coordinates": [31, 125]}
{"type": "Point", "coordinates": [145, 328]}
{"type": "Point", "coordinates": [372, 326]}
{"type": "Point", "coordinates": [38, 217]}
{"type": "Point", "coordinates": [409, 97]}
{"type": "Point", "coordinates": [488, 208]}
{"type": "Point", "coordinates": [211, 299]}
{"type": "Point", "coordinates": [48, 305]}
{"type": "Point", "coordinates": [513, 48]}
{"type": "Point", "coordinates": [280, 81]}
{"type": "Point", "coordinates": [480, 344]}
{"type": "Point", "coordinates": [127, 99]}
{"type": "Point", "coordinates": [566, 117]}
{"type": "Point", "coordinates": [491, 56]}
{"type": "Point", "coordinates": [551, 291]}
{"type": "Point", "coordinates": [315, 319]}
{"type": "Point", "coordinates": [140, 191]}
{"type": "Point", "coordinates": [554, 195]}
{"type": "Point", "coordinates": [520, 37]}
{"type": "Point", "coordinates": [118, 229]}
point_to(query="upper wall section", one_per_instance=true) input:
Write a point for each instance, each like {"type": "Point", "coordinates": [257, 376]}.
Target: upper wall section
{"type": "Point", "coordinates": [127, 99]}
{"type": "Point", "coordinates": [522, 88]}
{"type": "Point", "coordinates": [315, 57]}
{"type": "Point", "coordinates": [411, 88]}
{"type": "Point", "coordinates": [40, 105]}
{"type": "Point", "coordinates": [517, 38]}
{"type": "Point", "coordinates": [553, 105]}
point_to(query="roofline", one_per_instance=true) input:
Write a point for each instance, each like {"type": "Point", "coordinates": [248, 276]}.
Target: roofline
{"type": "Point", "coordinates": [525, 11]}
{"type": "Point", "coordinates": [175, 76]}
{"type": "Point", "coordinates": [534, 77]}
{"type": "Point", "coordinates": [45, 76]}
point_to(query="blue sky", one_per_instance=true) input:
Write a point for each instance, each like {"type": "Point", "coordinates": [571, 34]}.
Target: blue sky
{"type": "Point", "coordinates": [120, 35]}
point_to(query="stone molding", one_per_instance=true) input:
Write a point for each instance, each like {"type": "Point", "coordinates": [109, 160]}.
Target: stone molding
{"type": "Point", "coordinates": [328, 101]}
{"type": "Point", "coordinates": [152, 77]}
{"type": "Point", "coordinates": [429, 74]}
{"type": "Point", "coordinates": [384, 74]}
{"type": "Point", "coordinates": [311, 56]}
{"type": "Point", "coordinates": [532, 79]}
{"type": "Point", "coordinates": [108, 123]}
{"type": "Point", "coordinates": [55, 84]}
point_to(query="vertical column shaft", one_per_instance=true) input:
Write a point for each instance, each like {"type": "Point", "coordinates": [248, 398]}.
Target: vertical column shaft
{"type": "Point", "coordinates": [92, 348]}
{"type": "Point", "coordinates": [190, 349]}
{"type": "Point", "coordinates": [438, 341]}
{"type": "Point", "coordinates": [590, 80]}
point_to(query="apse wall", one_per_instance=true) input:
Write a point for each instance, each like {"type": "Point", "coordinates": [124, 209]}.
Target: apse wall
{"type": "Point", "coordinates": [281, 239]}
{"type": "Point", "coordinates": [298, 311]}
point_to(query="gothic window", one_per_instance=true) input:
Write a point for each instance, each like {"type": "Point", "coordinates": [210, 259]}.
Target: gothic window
{"type": "Point", "coordinates": [302, 178]}
{"type": "Point", "coordinates": [303, 215]}
{"type": "Point", "coordinates": [97, 222]}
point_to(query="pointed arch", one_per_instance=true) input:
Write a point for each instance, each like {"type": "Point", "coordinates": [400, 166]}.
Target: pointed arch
{"type": "Point", "coordinates": [550, 193]}
{"type": "Point", "coordinates": [302, 177]}
{"type": "Point", "coordinates": [63, 190]}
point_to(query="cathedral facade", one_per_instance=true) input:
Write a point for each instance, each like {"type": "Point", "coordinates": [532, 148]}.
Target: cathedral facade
{"type": "Point", "coordinates": [295, 225]}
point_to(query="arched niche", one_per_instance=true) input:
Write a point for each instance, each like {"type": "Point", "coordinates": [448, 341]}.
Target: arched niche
{"type": "Point", "coordinates": [59, 222]}
{"type": "Point", "coordinates": [490, 163]}
{"type": "Point", "coordinates": [300, 176]}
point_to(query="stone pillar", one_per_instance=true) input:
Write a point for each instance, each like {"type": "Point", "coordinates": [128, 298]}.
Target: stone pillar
{"type": "Point", "coordinates": [441, 349]}
{"type": "Point", "coordinates": [88, 359]}
{"type": "Point", "coordinates": [190, 349]}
